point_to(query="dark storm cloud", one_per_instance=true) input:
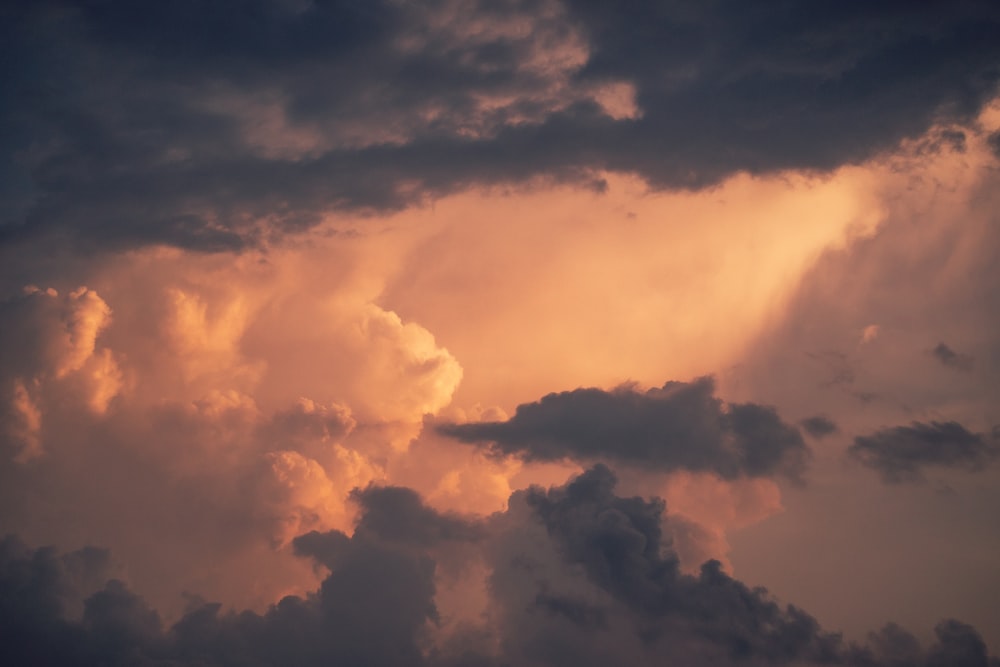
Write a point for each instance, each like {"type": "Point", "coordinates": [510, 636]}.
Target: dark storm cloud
{"type": "Point", "coordinates": [398, 514]}
{"type": "Point", "coordinates": [371, 609]}
{"type": "Point", "coordinates": [679, 426]}
{"type": "Point", "coordinates": [128, 123]}
{"type": "Point", "coordinates": [39, 590]}
{"type": "Point", "coordinates": [950, 357]}
{"type": "Point", "coordinates": [901, 453]}
{"type": "Point", "coordinates": [958, 645]}
{"type": "Point", "coordinates": [675, 618]}
{"type": "Point", "coordinates": [819, 426]}
{"type": "Point", "coordinates": [620, 544]}
{"type": "Point", "coordinates": [587, 617]}
{"type": "Point", "coordinates": [612, 587]}
{"type": "Point", "coordinates": [391, 514]}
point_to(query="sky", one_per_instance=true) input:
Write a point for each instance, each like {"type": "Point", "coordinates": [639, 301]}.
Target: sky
{"type": "Point", "coordinates": [472, 333]}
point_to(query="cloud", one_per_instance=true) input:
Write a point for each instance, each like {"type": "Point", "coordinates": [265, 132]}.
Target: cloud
{"type": "Point", "coordinates": [948, 357]}
{"type": "Point", "coordinates": [708, 618]}
{"type": "Point", "coordinates": [819, 426]}
{"type": "Point", "coordinates": [399, 514]}
{"type": "Point", "coordinates": [958, 645]}
{"type": "Point", "coordinates": [196, 413]}
{"type": "Point", "coordinates": [901, 453]}
{"type": "Point", "coordinates": [131, 128]}
{"type": "Point", "coordinates": [214, 410]}
{"type": "Point", "coordinates": [924, 272]}
{"type": "Point", "coordinates": [578, 575]}
{"type": "Point", "coordinates": [50, 354]}
{"type": "Point", "coordinates": [680, 426]}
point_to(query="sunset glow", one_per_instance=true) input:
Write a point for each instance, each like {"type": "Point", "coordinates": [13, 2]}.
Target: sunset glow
{"type": "Point", "coordinates": [500, 333]}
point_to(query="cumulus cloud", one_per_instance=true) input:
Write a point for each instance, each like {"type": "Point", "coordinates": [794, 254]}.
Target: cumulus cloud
{"type": "Point", "coordinates": [165, 408]}
{"type": "Point", "coordinates": [679, 426]}
{"type": "Point", "coordinates": [902, 453]}
{"type": "Point", "coordinates": [633, 574]}
{"type": "Point", "coordinates": [50, 354]}
{"type": "Point", "coordinates": [196, 412]}
{"type": "Point", "coordinates": [578, 575]}
{"type": "Point", "coordinates": [159, 126]}
{"type": "Point", "coordinates": [399, 514]}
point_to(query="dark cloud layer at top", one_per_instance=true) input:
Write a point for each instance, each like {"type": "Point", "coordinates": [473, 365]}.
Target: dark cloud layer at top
{"type": "Point", "coordinates": [217, 125]}
{"type": "Point", "coordinates": [680, 426]}
{"type": "Point", "coordinates": [600, 582]}
{"type": "Point", "coordinates": [901, 453]}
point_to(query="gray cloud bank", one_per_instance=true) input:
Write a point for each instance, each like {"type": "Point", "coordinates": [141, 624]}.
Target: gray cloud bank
{"type": "Point", "coordinates": [679, 426]}
{"type": "Point", "coordinates": [216, 125]}
{"type": "Point", "coordinates": [578, 576]}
